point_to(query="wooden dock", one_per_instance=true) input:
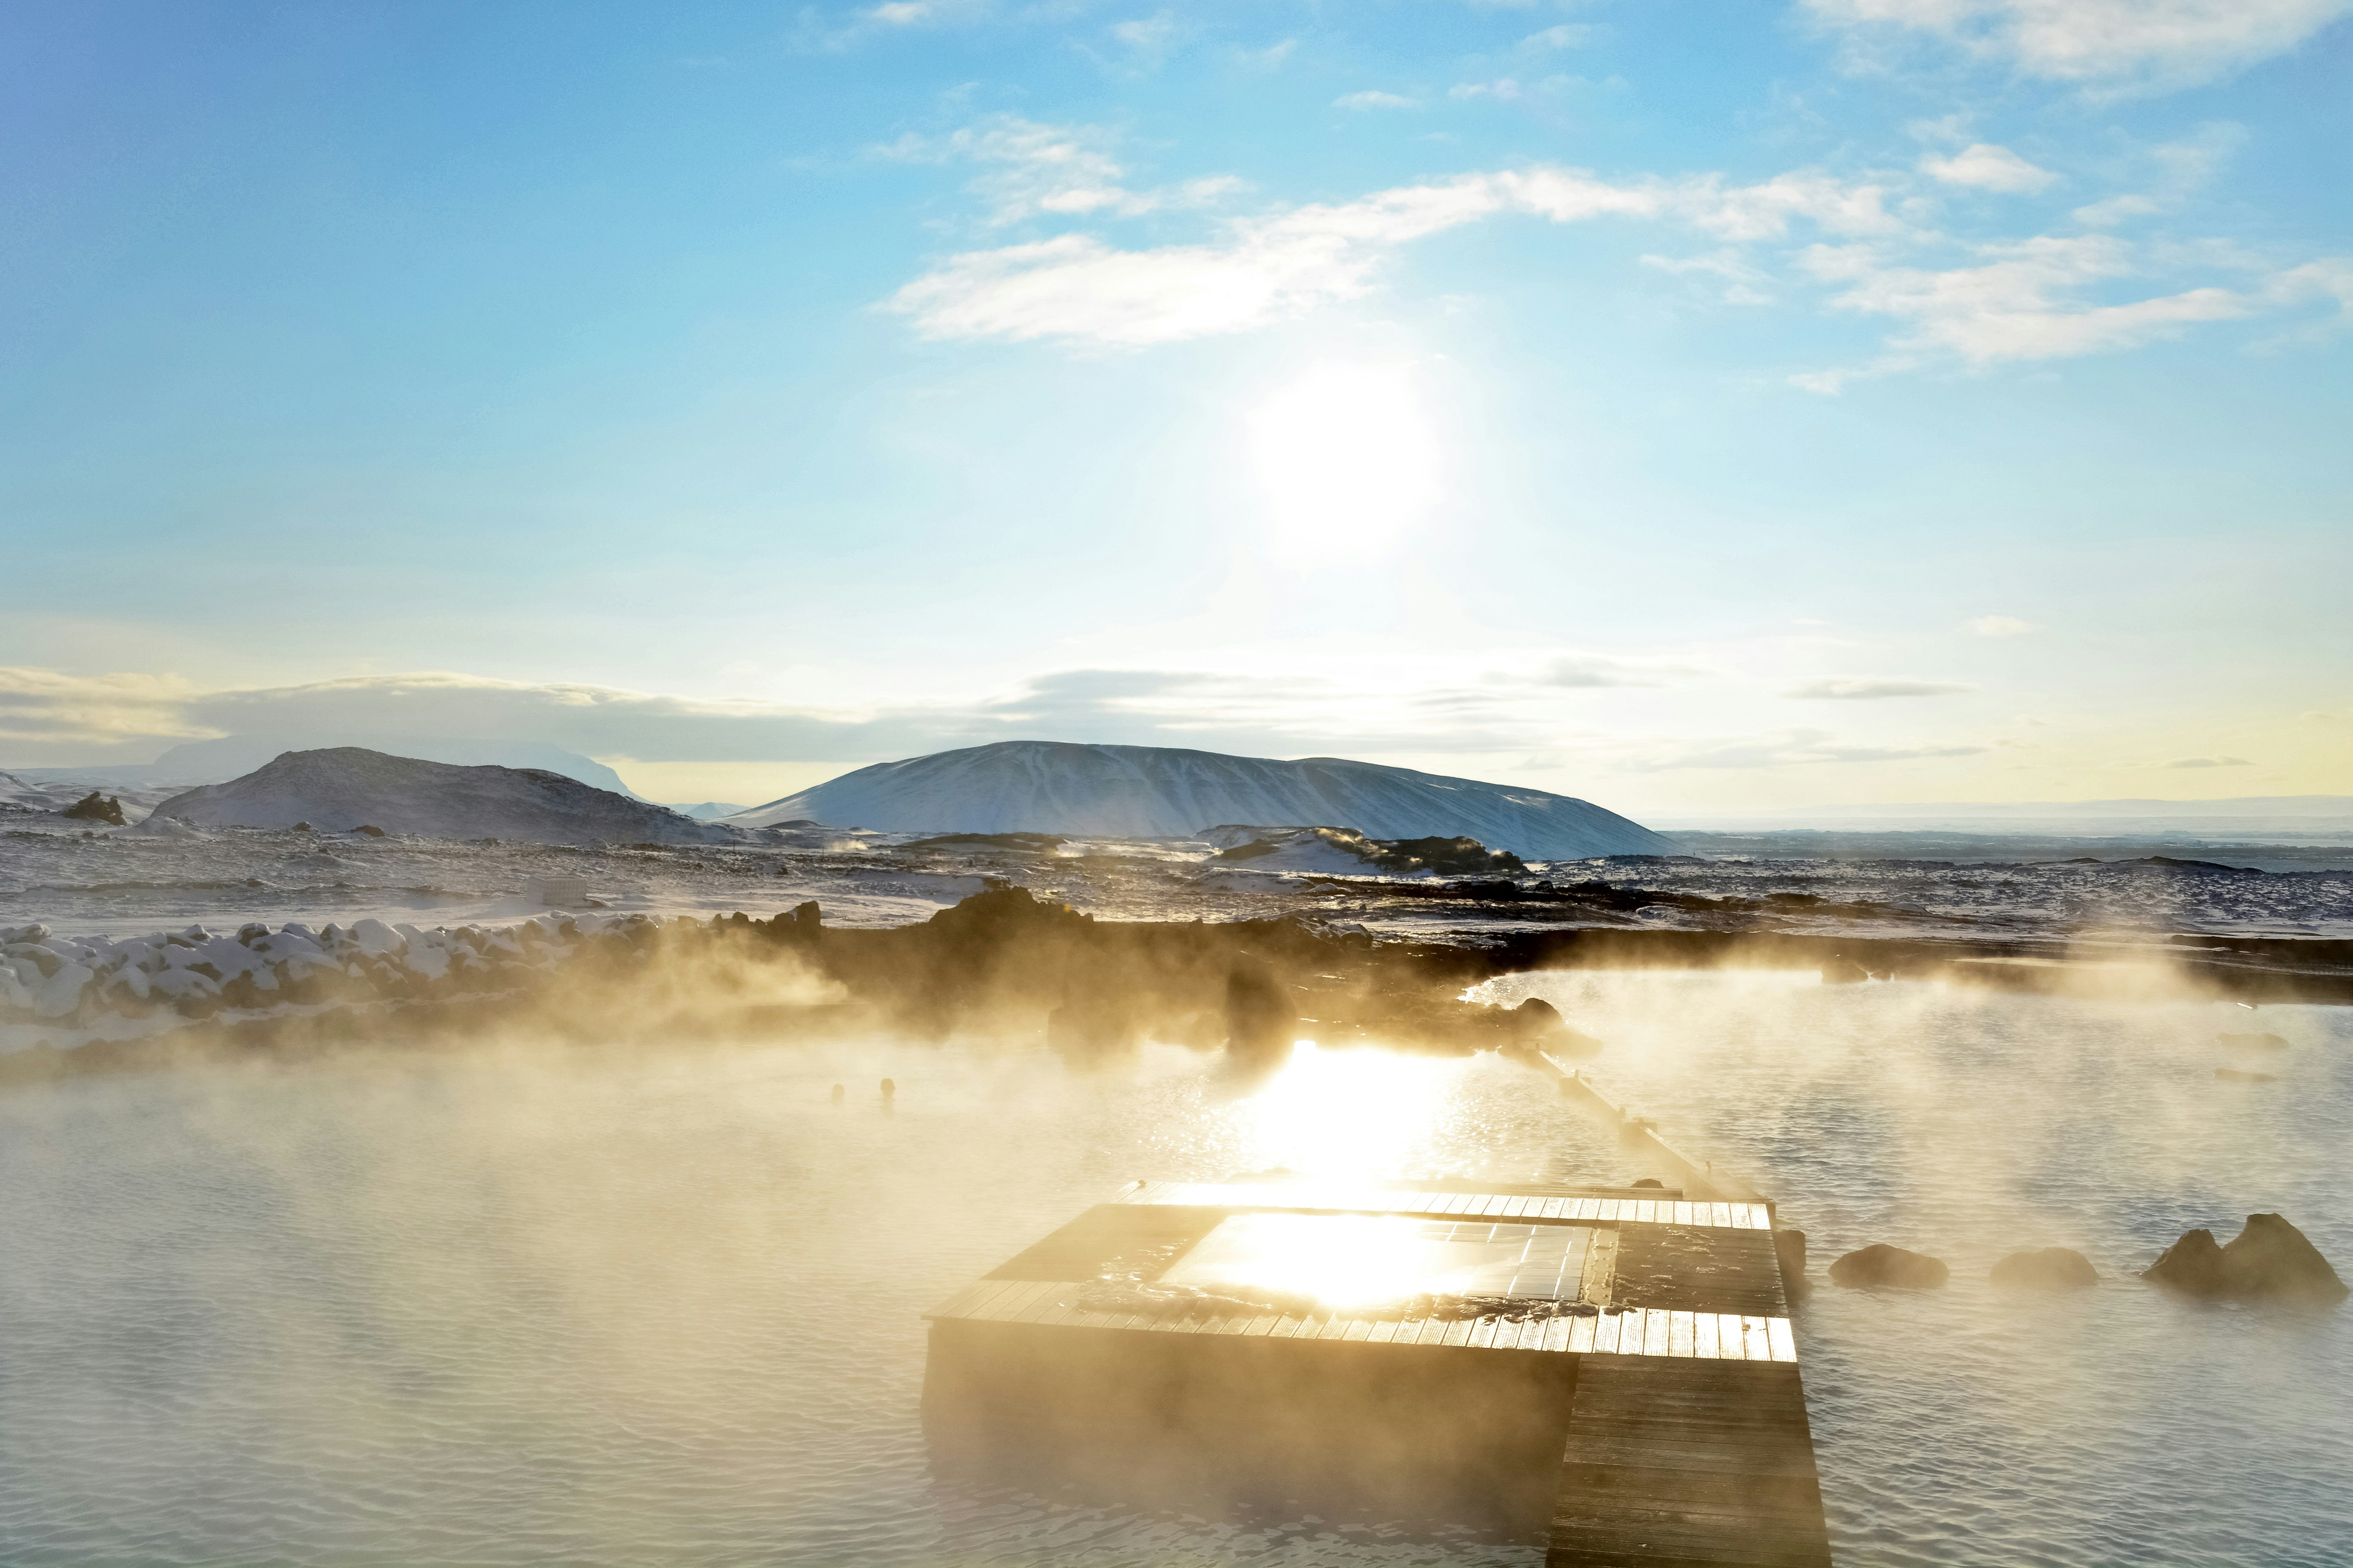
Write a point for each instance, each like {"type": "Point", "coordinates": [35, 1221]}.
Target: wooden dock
{"type": "Point", "coordinates": [1616, 1368]}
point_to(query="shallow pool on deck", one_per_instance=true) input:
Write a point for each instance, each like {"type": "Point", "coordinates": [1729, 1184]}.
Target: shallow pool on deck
{"type": "Point", "coordinates": [518, 1306]}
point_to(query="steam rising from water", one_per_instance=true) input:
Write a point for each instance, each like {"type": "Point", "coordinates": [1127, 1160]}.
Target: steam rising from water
{"type": "Point", "coordinates": [537, 1302]}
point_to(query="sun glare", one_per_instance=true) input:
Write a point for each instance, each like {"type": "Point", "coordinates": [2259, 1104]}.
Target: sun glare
{"type": "Point", "coordinates": [1347, 458]}
{"type": "Point", "coordinates": [1330, 1113]}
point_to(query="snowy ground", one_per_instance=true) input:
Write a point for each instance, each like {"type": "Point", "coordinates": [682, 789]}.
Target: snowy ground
{"type": "Point", "coordinates": [79, 879]}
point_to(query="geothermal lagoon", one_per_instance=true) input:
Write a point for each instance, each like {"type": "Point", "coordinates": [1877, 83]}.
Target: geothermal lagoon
{"type": "Point", "coordinates": [527, 1302]}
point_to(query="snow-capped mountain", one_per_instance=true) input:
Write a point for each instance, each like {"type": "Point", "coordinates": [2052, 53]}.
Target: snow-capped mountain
{"type": "Point", "coordinates": [1156, 792]}
{"type": "Point", "coordinates": [345, 787]}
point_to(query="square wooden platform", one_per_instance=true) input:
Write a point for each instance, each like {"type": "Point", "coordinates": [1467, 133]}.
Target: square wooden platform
{"type": "Point", "coordinates": [1613, 1369]}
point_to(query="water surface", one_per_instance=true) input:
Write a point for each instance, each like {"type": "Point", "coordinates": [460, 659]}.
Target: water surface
{"type": "Point", "coordinates": [621, 1308]}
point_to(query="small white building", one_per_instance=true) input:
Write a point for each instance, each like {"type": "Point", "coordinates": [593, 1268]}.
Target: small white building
{"type": "Point", "coordinates": [557, 892]}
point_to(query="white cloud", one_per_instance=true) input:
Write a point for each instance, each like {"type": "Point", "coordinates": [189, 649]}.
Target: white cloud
{"type": "Point", "coordinates": [1148, 35]}
{"type": "Point", "coordinates": [1986, 167]}
{"type": "Point", "coordinates": [1591, 670]}
{"type": "Point", "coordinates": [41, 707]}
{"type": "Point", "coordinates": [2016, 303]}
{"type": "Point", "coordinates": [48, 717]}
{"type": "Point", "coordinates": [1373, 99]}
{"type": "Point", "coordinates": [2182, 169]}
{"type": "Point", "coordinates": [1743, 282]}
{"type": "Point", "coordinates": [1566, 36]}
{"type": "Point", "coordinates": [1787, 748]}
{"type": "Point", "coordinates": [2043, 297]}
{"type": "Point", "coordinates": [1870, 691]}
{"type": "Point", "coordinates": [1267, 268]}
{"type": "Point", "coordinates": [1996, 627]}
{"type": "Point", "coordinates": [2106, 43]}
{"type": "Point", "coordinates": [1504, 87]}
{"type": "Point", "coordinates": [1037, 170]}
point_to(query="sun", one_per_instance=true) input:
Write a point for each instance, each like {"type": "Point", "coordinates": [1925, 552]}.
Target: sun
{"type": "Point", "coordinates": [1347, 458]}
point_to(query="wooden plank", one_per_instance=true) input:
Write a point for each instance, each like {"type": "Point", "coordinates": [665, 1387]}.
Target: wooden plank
{"type": "Point", "coordinates": [1784, 1342]}
{"type": "Point", "coordinates": [1732, 1341]}
{"type": "Point", "coordinates": [1757, 1341]}
{"type": "Point", "coordinates": [1598, 1282]}
{"type": "Point", "coordinates": [1581, 1334]}
{"type": "Point", "coordinates": [1687, 1464]}
{"type": "Point", "coordinates": [1025, 1295]}
{"type": "Point", "coordinates": [1704, 1335]}
{"type": "Point", "coordinates": [1682, 1334]}
{"type": "Point", "coordinates": [1044, 1297]}
{"type": "Point", "coordinates": [1604, 1333]}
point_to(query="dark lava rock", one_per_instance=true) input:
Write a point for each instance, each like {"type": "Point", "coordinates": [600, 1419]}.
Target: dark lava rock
{"type": "Point", "coordinates": [2052, 1269]}
{"type": "Point", "coordinates": [2270, 1261]}
{"type": "Point", "coordinates": [1880, 1264]}
{"type": "Point", "coordinates": [1536, 1021]}
{"type": "Point", "coordinates": [94, 807]}
{"type": "Point", "coordinates": [1843, 971]}
{"type": "Point", "coordinates": [2192, 1266]}
{"type": "Point", "coordinates": [1650, 1181]}
{"type": "Point", "coordinates": [366, 831]}
{"type": "Point", "coordinates": [1027, 843]}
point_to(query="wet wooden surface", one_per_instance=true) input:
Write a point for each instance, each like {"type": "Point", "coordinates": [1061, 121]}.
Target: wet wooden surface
{"type": "Point", "coordinates": [1687, 1446]}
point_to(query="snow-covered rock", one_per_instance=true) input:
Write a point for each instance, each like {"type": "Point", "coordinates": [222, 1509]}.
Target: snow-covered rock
{"type": "Point", "coordinates": [346, 787]}
{"type": "Point", "coordinates": [1156, 792]}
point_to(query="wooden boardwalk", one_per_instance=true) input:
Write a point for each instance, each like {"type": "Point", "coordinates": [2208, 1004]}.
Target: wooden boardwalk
{"type": "Point", "coordinates": [1683, 1443]}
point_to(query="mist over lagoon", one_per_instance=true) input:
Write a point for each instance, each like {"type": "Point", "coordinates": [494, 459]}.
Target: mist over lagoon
{"type": "Point", "coordinates": [532, 1301]}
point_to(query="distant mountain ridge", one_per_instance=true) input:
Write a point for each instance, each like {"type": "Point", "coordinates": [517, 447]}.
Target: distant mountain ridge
{"type": "Point", "coordinates": [344, 788]}
{"type": "Point", "coordinates": [1158, 792]}
{"type": "Point", "coordinates": [234, 756]}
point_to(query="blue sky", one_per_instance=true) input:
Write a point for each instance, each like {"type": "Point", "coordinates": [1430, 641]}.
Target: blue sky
{"type": "Point", "coordinates": [1691, 407]}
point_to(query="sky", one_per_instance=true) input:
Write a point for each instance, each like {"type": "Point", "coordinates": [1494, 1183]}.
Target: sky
{"type": "Point", "coordinates": [1687, 407]}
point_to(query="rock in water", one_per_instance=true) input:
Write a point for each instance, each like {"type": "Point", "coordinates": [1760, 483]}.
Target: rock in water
{"type": "Point", "coordinates": [2052, 1269]}
{"type": "Point", "coordinates": [2192, 1266]}
{"type": "Point", "coordinates": [1843, 971]}
{"type": "Point", "coordinates": [1880, 1264]}
{"type": "Point", "coordinates": [1260, 1022]}
{"type": "Point", "coordinates": [2270, 1260]}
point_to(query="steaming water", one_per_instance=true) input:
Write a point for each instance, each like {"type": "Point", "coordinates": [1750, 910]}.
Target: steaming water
{"type": "Point", "coordinates": [534, 1306]}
